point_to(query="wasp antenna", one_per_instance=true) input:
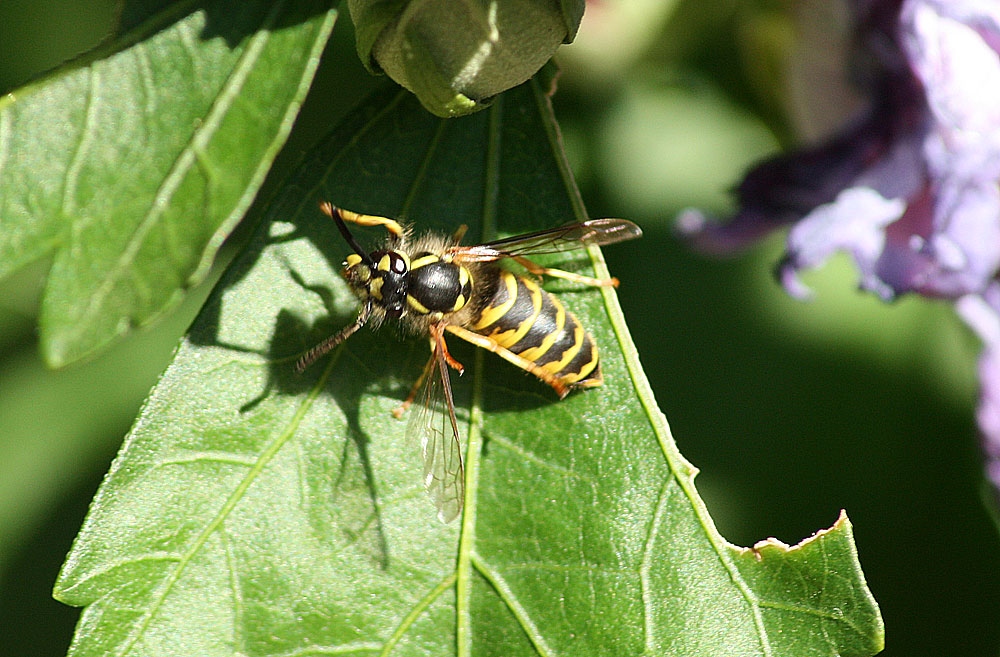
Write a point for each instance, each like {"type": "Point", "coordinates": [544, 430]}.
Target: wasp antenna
{"type": "Point", "coordinates": [325, 346]}
{"type": "Point", "coordinates": [333, 212]}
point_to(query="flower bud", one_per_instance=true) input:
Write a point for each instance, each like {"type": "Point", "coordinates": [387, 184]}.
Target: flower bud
{"type": "Point", "coordinates": [455, 55]}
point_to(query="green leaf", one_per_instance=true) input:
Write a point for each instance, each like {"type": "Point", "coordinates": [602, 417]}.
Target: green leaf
{"type": "Point", "coordinates": [130, 166]}
{"type": "Point", "coordinates": [256, 511]}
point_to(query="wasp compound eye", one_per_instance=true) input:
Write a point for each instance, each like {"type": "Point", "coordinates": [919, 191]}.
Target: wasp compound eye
{"type": "Point", "coordinates": [389, 281]}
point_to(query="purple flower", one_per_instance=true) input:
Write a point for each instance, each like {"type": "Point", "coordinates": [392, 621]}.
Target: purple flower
{"type": "Point", "coordinates": [982, 313]}
{"type": "Point", "coordinates": [910, 187]}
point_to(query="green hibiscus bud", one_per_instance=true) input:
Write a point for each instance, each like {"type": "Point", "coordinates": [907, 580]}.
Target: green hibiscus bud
{"type": "Point", "coordinates": [455, 55]}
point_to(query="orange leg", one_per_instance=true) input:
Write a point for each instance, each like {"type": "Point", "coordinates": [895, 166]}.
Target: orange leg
{"type": "Point", "coordinates": [437, 338]}
{"type": "Point", "coordinates": [538, 270]}
{"type": "Point", "coordinates": [491, 345]}
{"type": "Point", "coordinates": [399, 410]}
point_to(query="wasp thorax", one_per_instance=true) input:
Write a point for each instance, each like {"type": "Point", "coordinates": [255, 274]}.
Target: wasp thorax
{"type": "Point", "coordinates": [438, 285]}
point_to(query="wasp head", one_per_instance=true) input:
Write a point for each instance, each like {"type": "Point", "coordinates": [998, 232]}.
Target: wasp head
{"type": "Point", "coordinates": [382, 277]}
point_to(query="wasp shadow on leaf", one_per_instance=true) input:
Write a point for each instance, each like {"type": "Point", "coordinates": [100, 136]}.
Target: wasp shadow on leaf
{"type": "Point", "coordinates": [349, 513]}
{"type": "Point", "coordinates": [254, 312]}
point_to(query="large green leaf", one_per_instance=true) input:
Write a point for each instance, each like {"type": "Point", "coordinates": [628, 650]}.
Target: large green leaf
{"type": "Point", "coordinates": [130, 166]}
{"type": "Point", "coordinates": [257, 511]}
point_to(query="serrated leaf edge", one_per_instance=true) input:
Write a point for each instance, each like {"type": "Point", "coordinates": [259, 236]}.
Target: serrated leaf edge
{"type": "Point", "coordinates": [683, 471]}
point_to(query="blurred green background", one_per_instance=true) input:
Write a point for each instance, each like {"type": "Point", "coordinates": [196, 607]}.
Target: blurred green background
{"type": "Point", "coordinates": [792, 411]}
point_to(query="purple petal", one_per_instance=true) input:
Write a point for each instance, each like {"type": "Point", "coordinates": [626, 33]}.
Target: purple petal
{"type": "Point", "coordinates": [954, 49]}
{"type": "Point", "coordinates": [881, 150]}
{"type": "Point", "coordinates": [854, 223]}
{"type": "Point", "coordinates": [982, 314]}
{"type": "Point", "coordinates": [967, 240]}
{"type": "Point", "coordinates": [947, 244]}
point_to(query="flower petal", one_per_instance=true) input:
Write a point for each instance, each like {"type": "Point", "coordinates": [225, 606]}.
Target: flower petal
{"type": "Point", "coordinates": [982, 314]}
{"type": "Point", "coordinates": [953, 49]}
{"type": "Point", "coordinates": [855, 222]}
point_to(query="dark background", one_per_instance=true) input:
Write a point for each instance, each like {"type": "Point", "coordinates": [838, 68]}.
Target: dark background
{"type": "Point", "coordinates": [792, 411]}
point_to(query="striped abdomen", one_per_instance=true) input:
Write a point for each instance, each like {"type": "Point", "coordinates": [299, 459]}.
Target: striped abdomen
{"type": "Point", "coordinates": [530, 322]}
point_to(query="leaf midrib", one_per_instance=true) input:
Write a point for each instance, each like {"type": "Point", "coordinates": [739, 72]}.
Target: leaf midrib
{"type": "Point", "coordinates": [463, 586]}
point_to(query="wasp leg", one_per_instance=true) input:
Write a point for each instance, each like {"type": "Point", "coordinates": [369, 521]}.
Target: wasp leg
{"type": "Point", "coordinates": [538, 270]}
{"type": "Point", "coordinates": [399, 410]}
{"type": "Point", "coordinates": [364, 219]}
{"type": "Point", "coordinates": [437, 338]}
{"type": "Point", "coordinates": [437, 342]}
{"type": "Point", "coordinates": [459, 233]}
{"type": "Point", "coordinates": [486, 343]}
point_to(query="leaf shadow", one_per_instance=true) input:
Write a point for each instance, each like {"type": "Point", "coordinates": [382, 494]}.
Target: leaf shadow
{"type": "Point", "coordinates": [234, 21]}
{"type": "Point", "coordinates": [348, 510]}
{"type": "Point", "coordinates": [237, 21]}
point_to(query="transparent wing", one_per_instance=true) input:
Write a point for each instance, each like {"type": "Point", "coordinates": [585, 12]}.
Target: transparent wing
{"type": "Point", "coordinates": [598, 232]}
{"type": "Point", "coordinates": [433, 426]}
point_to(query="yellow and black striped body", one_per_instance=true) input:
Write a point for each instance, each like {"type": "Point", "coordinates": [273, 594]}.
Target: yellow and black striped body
{"type": "Point", "coordinates": [528, 321]}
{"type": "Point", "coordinates": [423, 286]}
{"type": "Point", "coordinates": [433, 286]}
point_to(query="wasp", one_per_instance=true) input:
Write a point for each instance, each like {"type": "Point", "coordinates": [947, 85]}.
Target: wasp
{"type": "Point", "coordinates": [433, 285]}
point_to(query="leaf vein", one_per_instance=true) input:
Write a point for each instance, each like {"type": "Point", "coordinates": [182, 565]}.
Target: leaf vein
{"type": "Point", "coordinates": [491, 185]}
{"type": "Point", "coordinates": [425, 164]}
{"type": "Point", "coordinates": [207, 457]}
{"type": "Point", "coordinates": [189, 42]}
{"type": "Point", "coordinates": [418, 609]}
{"type": "Point", "coordinates": [175, 177]}
{"type": "Point", "coordinates": [562, 568]}
{"type": "Point", "coordinates": [515, 606]}
{"type": "Point", "coordinates": [234, 583]}
{"type": "Point", "coordinates": [552, 133]}
{"type": "Point", "coordinates": [683, 471]}
{"type": "Point", "coordinates": [343, 649]}
{"type": "Point", "coordinates": [463, 591]}
{"type": "Point", "coordinates": [91, 103]}
{"type": "Point", "coordinates": [145, 69]}
{"type": "Point", "coordinates": [534, 458]}
{"type": "Point", "coordinates": [647, 564]}
{"type": "Point", "coordinates": [228, 505]}
{"type": "Point", "coordinates": [152, 557]}
{"type": "Point", "coordinates": [463, 587]}
{"type": "Point", "coordinates": [355, 138]}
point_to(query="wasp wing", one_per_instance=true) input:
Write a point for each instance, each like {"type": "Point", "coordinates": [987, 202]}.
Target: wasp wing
{"type": "Point", "coordinates": [433, 426]}
{"type": "Point", "coordinates": [597, 232]}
